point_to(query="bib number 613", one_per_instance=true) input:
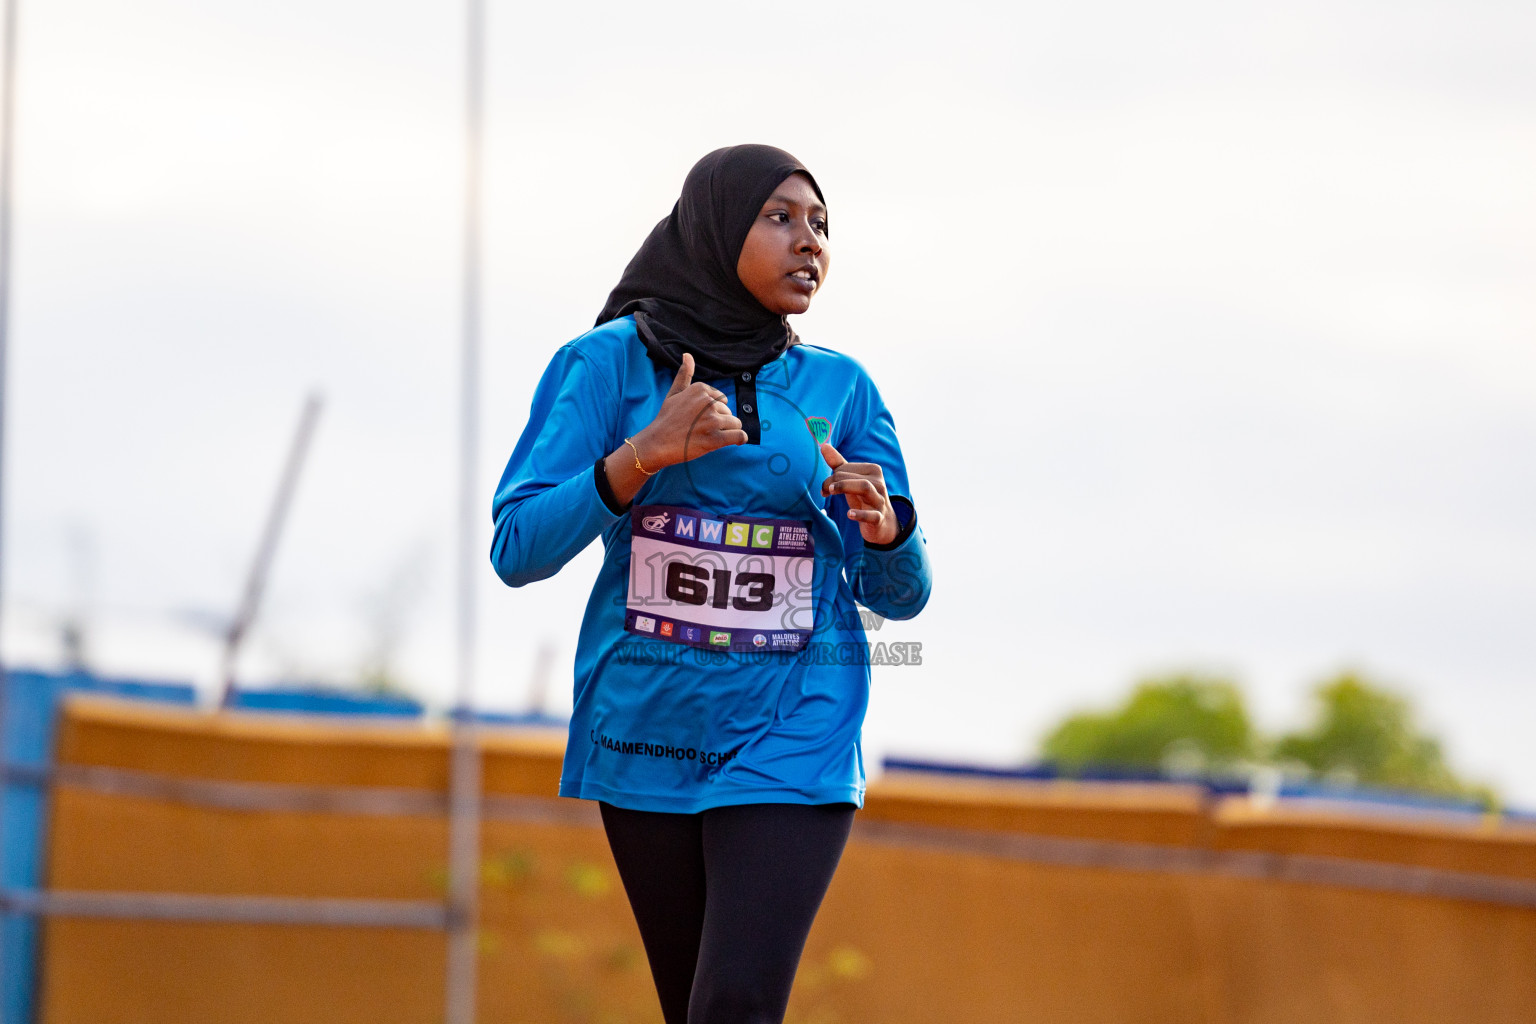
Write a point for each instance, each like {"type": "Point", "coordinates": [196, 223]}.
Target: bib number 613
{"type": "Point", "coordinates": [691, 584]}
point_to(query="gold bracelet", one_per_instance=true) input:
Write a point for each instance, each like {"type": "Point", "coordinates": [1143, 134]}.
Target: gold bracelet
{"type": "Point", "coordinates": [637, 457]}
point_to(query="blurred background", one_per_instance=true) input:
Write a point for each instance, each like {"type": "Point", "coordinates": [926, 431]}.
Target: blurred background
{"type": "Point", "coordinates": [1209, 332]}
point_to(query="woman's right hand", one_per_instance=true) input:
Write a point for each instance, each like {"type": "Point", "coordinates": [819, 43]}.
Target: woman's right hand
{"type": "Point", "coordinates": [694, 420]}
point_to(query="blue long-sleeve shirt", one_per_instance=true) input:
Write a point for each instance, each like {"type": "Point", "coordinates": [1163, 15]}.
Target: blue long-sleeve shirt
{"type": "Point", "coordinates": [706, 689]}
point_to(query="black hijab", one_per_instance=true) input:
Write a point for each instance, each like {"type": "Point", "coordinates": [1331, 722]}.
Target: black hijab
{"type": "Point", "coordinates": [682, 284]}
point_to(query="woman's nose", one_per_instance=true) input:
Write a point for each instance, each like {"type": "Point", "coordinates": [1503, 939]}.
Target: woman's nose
{"type": "Point", "coordinates": [806, 240]}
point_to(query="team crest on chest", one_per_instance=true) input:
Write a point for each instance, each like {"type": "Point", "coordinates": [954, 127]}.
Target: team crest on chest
{"type": "Point", "coordinates": [821, 428]}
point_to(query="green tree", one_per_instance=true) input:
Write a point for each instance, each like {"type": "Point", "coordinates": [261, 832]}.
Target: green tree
{"type": "Point", "coordinates": [1188, 722]}
{"type": "Point", "coordinates": [1368, 734]}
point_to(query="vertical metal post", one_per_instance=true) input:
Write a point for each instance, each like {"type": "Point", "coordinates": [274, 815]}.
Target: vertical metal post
{"type": "Point", "coordinates": [7, 118]}
{"type": "Point", "coordinates": [464, 783]}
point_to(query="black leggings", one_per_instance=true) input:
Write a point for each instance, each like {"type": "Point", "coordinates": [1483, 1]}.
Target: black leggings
{"type": "Point", "coordinates": [724, 900]}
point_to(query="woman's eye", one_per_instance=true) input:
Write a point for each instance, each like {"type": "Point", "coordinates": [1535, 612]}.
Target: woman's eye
{"type": "Point", "coordinates": [820, 226]}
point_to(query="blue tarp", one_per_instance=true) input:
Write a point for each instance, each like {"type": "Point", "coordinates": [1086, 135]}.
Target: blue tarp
{"type": "Point", "coordinates": [324, 701]}
{"type": "Point", "coordinates": [521, 719]}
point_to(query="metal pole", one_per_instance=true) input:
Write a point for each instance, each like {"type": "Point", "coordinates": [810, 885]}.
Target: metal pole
{"type": "Point", "coordinates": [7, 118]}
{"type": "Point", "coordinates": [464, 782]}
{"type": "Point", "coordinates": [257, 580]}
{"type": "Point", "coordinates": [180, 906]}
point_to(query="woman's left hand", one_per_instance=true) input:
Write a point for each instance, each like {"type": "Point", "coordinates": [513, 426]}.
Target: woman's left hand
{"type": "Point", "coordinates": [863, 484]}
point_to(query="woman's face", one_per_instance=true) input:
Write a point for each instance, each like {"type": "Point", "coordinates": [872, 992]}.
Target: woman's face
{"type": "Point", "coordinates": [784, 259]}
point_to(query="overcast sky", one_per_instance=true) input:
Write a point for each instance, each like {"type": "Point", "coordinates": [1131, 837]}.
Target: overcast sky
{"type": "Point", "coordinates": [1210, 335]}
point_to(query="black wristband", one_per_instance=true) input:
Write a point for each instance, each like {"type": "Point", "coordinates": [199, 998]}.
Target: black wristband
{"type": "Point", "coordinates": [906, 528]}
{"type": "Point", "coordinates": [605, 489]}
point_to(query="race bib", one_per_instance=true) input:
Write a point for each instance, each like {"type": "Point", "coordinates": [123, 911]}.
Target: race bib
{"type": "Point", "coordinates": [727, 583]}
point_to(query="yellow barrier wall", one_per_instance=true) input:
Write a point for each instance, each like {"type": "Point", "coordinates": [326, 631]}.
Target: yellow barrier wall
{"type": "Point", "coordinates": [912, 930]}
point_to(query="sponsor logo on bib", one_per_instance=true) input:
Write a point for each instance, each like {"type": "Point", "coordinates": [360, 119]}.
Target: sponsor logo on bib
{"type": "Point", "coordinates": [719, 639]}
{"type": "Point", "coordinates": [758, 640]}
{"type": "Point", "coordinates": [656, 523]}
{"type": "Point", "coordinates": [645, 623]}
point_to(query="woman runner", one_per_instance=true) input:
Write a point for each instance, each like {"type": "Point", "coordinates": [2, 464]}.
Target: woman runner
{"type": "Point", "coordinates": [749, 489]}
